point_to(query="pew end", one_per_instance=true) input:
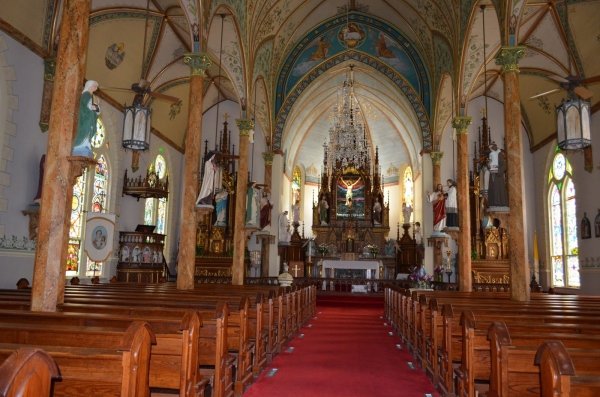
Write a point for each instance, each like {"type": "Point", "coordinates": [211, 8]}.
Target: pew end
{"type": "Point", "coordinates": [568, 372]}
{"type": "Point", "coordinates": [28, 372]}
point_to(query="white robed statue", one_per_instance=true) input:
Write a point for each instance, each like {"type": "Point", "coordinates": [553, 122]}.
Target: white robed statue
{"type": "Point", "coordinates": [284, 228]}
{"type": "Point", "coordinates": [211, 181]}
{"type": "Point", "coordinates": [252, 205]}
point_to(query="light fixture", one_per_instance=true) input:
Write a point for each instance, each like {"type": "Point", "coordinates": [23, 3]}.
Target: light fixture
{"type": "Point", "coordinates": [137, 117]}
{"type": "Point", "coordinates": [573, 123]}
{"type": "Point", "coordinates": [348, 145]}
{"type": "Point", "coordinates": [137, 126]}
{"type": "Point", "coordinates": [573, 113]}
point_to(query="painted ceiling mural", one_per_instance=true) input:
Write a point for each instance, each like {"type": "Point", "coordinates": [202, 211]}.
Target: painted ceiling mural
{"type": "Point", "coordinates": [336, 36]}
{"type": "Point", "coordinates": [365, 39]}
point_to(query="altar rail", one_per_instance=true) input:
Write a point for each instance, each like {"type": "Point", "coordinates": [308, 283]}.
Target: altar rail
{"type": "Point", "coordinates": [334, 284]}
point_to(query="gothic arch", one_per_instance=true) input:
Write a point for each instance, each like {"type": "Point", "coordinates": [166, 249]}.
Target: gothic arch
{"type": "Point", "coordinates": [403, 86]}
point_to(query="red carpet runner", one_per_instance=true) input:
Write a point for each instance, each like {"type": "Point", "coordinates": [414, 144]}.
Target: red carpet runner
{"type": "Point", "coordinates": [345, 351]}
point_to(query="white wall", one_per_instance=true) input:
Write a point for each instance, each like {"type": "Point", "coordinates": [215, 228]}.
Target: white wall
{"type": "Point", "coordinates": [21, 146]}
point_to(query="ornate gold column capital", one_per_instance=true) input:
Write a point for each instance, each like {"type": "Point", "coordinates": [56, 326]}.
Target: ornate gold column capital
{"type": "Point", "coordinates": [436, 157]}
{"type": "Point", "coordinates": [245, 125]}
{"type": "Point", "coordinates": [508, 58]}
{"type": "Point", "coordinates": [461, 123]}
{"type": "Point", "coordinates": [49, 68]}
{"type": "Point", "coordinates": [268, 157]}
{"type": "Point", "coordinates": [198, 62]}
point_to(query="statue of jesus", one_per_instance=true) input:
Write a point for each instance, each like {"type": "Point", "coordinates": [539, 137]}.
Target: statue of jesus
{"type": "Point", "coordinates": [349, 187]}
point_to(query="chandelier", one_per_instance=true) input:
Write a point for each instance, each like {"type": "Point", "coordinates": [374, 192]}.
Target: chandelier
{"type": "Point", "coordinates": [348, 145]}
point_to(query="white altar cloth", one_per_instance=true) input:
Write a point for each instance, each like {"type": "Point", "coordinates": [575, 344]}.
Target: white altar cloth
{"type": "Point", "coordinates": [372, 266]}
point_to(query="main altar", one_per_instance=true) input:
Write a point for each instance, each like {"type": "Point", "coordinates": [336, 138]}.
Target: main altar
{"type": "Point", "coordinates": [350, 217]}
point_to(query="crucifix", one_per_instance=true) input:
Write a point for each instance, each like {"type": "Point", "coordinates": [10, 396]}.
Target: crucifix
{"type": "Point", "coordinates": [296, 268]}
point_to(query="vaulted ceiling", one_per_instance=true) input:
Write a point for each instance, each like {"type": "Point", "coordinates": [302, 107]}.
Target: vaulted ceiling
{"type": "Point", "coordinates": [258, 36]}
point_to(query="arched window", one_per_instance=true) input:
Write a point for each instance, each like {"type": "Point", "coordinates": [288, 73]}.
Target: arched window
{"type": "Point", "coordinates": [563, 224]}
{"type": "Point", "coordinates": [408, 186]}
{"type": "Point", "coordinates": [90, 193]}
{"type": "Point", "coordinates": [296, 185]}
{"type": "Point", "coordinates": [155, 210]}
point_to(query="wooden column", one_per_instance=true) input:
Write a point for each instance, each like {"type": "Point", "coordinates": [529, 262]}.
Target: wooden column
{"type": "Point", "coordinates": [267, 241]}
{"type": "Point", "coordinates": [186, 266]}
{"type": "Point", "coordinates": [268, 158]}
{"type": "Point", "coordinates": [436, 161]}
{"type": "Point", "coordinates": [49, 72]}
{"type": "Point", "coordinates": [465, 282]}
{"type": "Point", "coordinates": [50, 254]}
{"type": "Point", "coordinates": [508, 58]}
{"type": "Point", "coordinates": [238, 269]}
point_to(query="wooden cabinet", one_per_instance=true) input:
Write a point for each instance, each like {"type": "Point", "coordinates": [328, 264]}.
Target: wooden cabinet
{"type": "Point", "coordinates": [141, 257]}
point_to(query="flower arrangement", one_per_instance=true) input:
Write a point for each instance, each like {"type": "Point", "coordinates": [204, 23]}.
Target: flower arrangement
{"type": "Point", "coordinates": [373, 249]}
{"type": "Point", "coordinates": [419, 278]}
{"type": "Point", "coordinates": [323, 249]}
{"type": "Point", "coordinates": [438, 273]}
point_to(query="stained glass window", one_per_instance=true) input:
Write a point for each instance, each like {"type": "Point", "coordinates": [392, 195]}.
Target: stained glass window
{"type": "Point", "coordinates": [160, 166]}
{"type": "Point", "coordinates": [155, 210]}
{"type": "Point", "coordinates": [100, 185]}
{"type": "Point", "coordinates": [161, 215]}
{"type": "Point", "coordinates": [296, 185]}
{"type": "Point", "coordinates": [409, 192]}
{"type": "Point", "coordinates": [90, 193]}
{"type": "Point", "coordinates": [76, 226]}
{"type": "Point", "coordinates": [149, 211]}
{"type": "Point", "coordinates": [563, 224]}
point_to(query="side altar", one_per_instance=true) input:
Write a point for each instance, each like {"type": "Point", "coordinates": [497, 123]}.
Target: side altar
{"type": "Point", "coordinates": [489, 213]}
{"type": "Point", "coordinates": [215, 209]}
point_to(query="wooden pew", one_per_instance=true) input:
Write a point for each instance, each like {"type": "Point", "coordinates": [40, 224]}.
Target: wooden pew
{"type": "Point", "coordinates": [423, 328]}
{"type": "Point", "coordinates": [174, 357]}
{"type": "Point", "coordinates": [513, 369]}
{"type": "Point", "coordinates": [476, 352]}
{"type": "Point", "coordinates": [27, 372]}
{"type": "Point", "coordinates": [568, 372]}
{"type": "Point", "coordinates": [108, 361]}
{"type": "Point", "coordinates": [215, 361]}
{"type": "Point", "coordinates": [139, 306]}
{"type": "Point", "coordinates": [78, 298]}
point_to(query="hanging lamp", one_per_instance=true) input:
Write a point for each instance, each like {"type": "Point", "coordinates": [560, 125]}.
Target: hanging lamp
{"type": "Point", "coordinates": [573, 114]}
{"type": "Point", "coordinates": [137, 117]}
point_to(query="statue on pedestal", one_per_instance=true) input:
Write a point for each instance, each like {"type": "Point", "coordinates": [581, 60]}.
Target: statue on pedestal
{"type": "Point", "coordinates": [284, 228]}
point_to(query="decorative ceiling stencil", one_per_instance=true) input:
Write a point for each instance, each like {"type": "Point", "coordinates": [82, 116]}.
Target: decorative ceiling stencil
{"type": "Point", "coordinates": [443, 108]}
{"type": "Point", "coordinates": [361, 33]}
{"type": "Point", "coordinates": [232, 57]}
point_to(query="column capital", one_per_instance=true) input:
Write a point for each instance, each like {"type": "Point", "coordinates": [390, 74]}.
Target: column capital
{"type": "Point", "coordinates": [436, 157]}
{"type": "Point", "coordinates": [461, 123]}
{"type": "Point", "coordinates": [509, 57]}
{"type": "Point", "coordinates": [198, 62]}
{"type": "Point", "coordinates": [245, 125]}
{"type": "Point", "coordinates": [268, 157]}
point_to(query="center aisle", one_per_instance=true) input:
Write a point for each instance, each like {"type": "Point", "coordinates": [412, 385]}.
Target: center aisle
{"type": "Point", "coordinates": [346, 350]}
